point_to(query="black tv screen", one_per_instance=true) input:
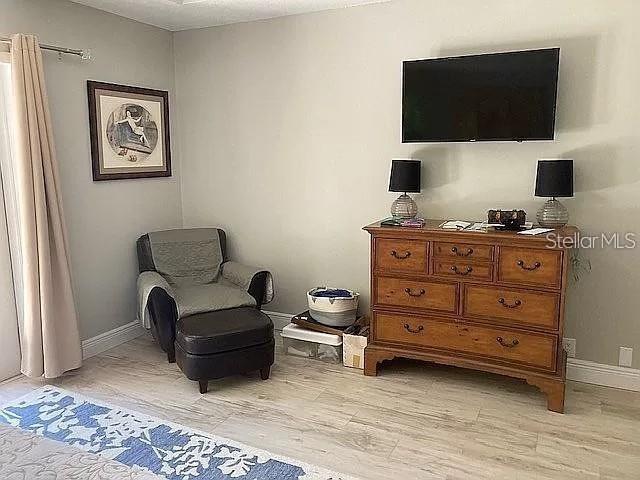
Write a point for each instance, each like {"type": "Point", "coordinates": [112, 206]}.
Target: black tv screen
{"type": "Point", "coordinates": [492, 97]}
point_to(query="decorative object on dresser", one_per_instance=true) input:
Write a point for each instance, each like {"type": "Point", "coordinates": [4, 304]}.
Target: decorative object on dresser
{"type": "Point", "coordinates": [554, 179]}
{"type": "Point", "coordinates": [507, 219]}
{"type": "Point", "coordinates": [405, 178]}
{"type": "Point", "coordinates": [489, 301]}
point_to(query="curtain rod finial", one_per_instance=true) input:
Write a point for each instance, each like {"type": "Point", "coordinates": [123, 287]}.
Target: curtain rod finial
{"type": "Point", "coordinates": [86, 54]}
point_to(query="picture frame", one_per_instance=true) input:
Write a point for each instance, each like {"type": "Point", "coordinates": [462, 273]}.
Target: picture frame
{"type": "Point", "coordinates": [129, 131]}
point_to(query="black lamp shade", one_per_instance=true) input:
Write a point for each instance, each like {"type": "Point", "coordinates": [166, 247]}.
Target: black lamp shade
{"type": "Point", "coordinates": [554, 178]}
{"type": "Point", "coordinates": [405, 176]}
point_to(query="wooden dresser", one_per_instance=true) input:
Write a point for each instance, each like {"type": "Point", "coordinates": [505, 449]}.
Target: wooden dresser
{"type": "Point", "coordinates": [488, 301]}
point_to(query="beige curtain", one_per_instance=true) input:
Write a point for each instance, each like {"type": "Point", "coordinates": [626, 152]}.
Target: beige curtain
{"type": "Point", "coordinates": [49, 337]}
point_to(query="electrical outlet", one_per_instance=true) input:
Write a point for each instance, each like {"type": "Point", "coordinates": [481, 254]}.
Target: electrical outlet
{"type": "Point", "coordinates": [569, 345]}
{"type": "Point", "coordinates": [626, 356]}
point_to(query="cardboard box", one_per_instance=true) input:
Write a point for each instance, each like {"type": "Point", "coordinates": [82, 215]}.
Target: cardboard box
{"type": "Point", "coordinates": [353, 350]}
{"type": "Point", "coordinates": [353, 347]}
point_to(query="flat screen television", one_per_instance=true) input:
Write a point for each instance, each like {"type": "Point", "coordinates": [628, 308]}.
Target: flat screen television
{"type": "Point", "coordinates": [493, 97]}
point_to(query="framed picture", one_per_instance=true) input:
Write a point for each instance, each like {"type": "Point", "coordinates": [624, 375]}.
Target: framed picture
{"type": "Point", "coordinates": [129, 128]}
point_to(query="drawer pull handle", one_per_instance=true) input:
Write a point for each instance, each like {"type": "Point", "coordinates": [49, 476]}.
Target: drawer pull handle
{"type": "Point", "coordinates": [408, 328]}
{"type": "Point", "coordinates": [504, 303]}
{"type": "Point", "coordinates": [458, 272]}
{"type": "Point", "coordinates": [513, 343]}
{"type": "Point", "coordinates": [469, 251]}
{"type": "Point", "coordinates": [395, 254]}
{"type": "Point", "coordinates": [410, 292]}
{"type": "Point", "coordinates": [530, 268]}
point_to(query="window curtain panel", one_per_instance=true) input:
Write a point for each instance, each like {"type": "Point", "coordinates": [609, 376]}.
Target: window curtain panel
{"type": "Point", "coordinates": [48, 327]}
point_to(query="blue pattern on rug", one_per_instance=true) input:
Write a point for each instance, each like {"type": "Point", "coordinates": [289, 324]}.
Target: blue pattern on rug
{"type": "Point", "coordinates": [169, 450]}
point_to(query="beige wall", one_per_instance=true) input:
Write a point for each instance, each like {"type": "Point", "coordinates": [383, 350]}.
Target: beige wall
{"type": "Point", "coordinates": [288, 127]}
{"type": "Point", "coordinates": [104, 218]}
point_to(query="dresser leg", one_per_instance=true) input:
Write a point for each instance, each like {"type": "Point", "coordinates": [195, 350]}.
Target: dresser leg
{"type": "Point", "coordinates": [553, 389]}
{"type": "Point", "coordinates": [372, 357]}
{"type": "Point", "coordinates": [555, 397]}
{"type": "Point", "coordinates": [370, 365]}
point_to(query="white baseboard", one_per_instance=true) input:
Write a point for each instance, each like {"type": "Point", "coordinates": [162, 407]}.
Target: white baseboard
{"type": "Point", "coordinates": [280, 320]}
{"type": "Point", "coordinates": [577, 370]}
{"type": "Point", "coordinates": [111, 339]}
{"type": "Point", "coordinates": [601, 374]}
{"type": "Point", "coordinates": [103, 342]}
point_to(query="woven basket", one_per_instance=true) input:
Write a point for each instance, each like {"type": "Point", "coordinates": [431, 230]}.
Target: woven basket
{"type": "Point", "coordinates": [333, 311]}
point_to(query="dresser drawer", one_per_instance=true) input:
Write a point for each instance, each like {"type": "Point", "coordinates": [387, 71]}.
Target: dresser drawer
{"type": "Point", "coordinates": [463, 250]}
{"type": "Point", "coordinates": [528, 348]}
{"type": "Point", "coordinates": [437, 296]}
{"type": "Point", "coordinates": [530, 266]}
{"type": "Point", "coordinates": [516, 307]}
{"type": "Point", "coordinates": [401, 255]}
{"type": "Point", "coordinates": [463, 270]}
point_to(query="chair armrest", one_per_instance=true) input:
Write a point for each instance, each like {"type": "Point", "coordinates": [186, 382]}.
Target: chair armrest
{"type": "Point", "coordinates": [157, 309]}
{"type": "Point", "coordinates": [145, 258]}
{"type": "Point", "coordinates": [257, 281]}
{"type": "Point", "coordinates": [164, 316]}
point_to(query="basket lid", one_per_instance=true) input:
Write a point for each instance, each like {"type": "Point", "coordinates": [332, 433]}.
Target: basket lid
{"type": "Point", "coordinates": [299, 333]}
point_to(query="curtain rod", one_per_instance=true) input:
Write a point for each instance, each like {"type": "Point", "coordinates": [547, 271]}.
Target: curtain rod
{"type": "Point", "coordinates": [84, 54]}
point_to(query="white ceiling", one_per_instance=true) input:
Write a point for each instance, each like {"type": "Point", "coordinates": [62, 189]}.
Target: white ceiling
{"type": "Point", "coordinates": [185, 14]}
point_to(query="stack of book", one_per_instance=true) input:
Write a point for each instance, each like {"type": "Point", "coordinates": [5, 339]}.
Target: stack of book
{"type": "Point", "coordinates": [399, 222]}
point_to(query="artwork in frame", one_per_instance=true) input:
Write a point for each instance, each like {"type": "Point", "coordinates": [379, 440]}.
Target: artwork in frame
{"type": "Point", "coordinates": [129, 128]}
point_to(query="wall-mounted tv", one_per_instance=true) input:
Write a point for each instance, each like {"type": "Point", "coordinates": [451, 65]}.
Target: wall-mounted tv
{"type": "Point", "coordinates": [493, 97]}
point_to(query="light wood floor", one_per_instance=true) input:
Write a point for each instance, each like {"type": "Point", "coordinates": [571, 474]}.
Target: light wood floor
{"type": "Point", "coordinates": [413, 421]}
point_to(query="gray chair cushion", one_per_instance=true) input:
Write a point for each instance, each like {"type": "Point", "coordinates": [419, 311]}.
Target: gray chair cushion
{"type": "Point", "coordinates": [145, 258]}
{"type": "Point", "coordinates": [192, 299]}
{"type": "Point", "coordinates": [191, 256]}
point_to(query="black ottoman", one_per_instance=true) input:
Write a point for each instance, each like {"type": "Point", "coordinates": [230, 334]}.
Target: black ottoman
{"type": "Point", "coordinates": [227, 342]}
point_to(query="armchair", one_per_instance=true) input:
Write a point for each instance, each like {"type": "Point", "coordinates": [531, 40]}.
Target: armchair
{"type": "Point", "coordinates": [184, 272]}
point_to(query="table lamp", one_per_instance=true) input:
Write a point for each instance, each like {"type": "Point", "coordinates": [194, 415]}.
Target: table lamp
{"type": "Point", "coordinates": [405, 178]}
{"type": "Point", "coordinates": [554, 179]}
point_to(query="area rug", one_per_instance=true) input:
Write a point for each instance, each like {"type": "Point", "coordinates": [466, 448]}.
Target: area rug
{"type": "Point", "coordinates": [138, 442]}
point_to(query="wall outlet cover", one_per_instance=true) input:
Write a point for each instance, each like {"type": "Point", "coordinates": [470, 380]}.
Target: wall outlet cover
{"type": "Point", "coordinates": [569, 345]}
{"type": "Point", "coordinates": [626, 356]}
